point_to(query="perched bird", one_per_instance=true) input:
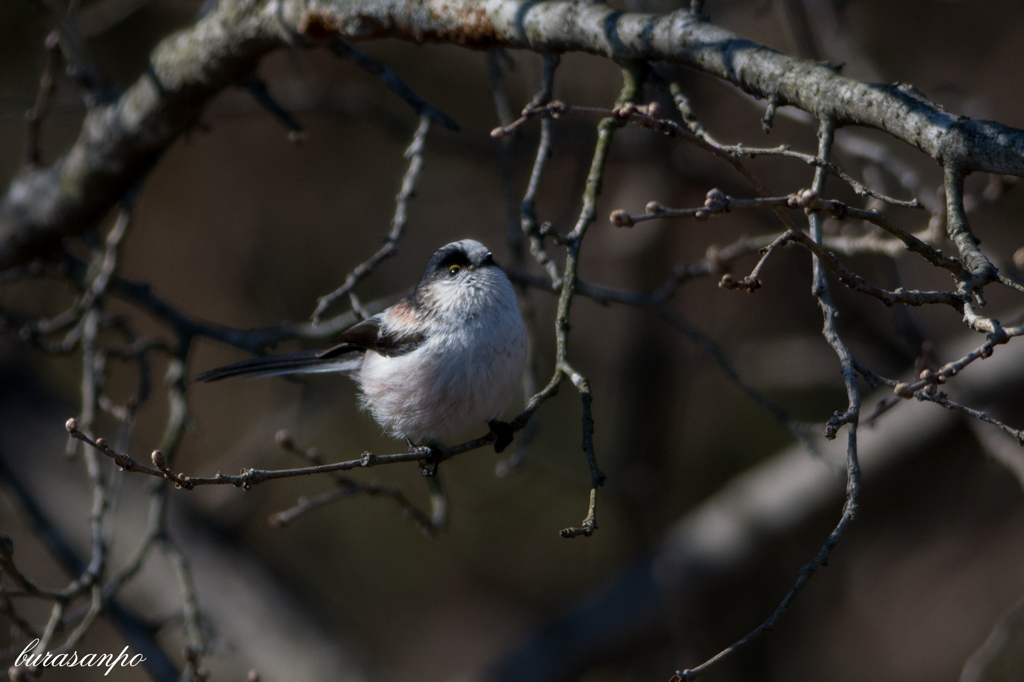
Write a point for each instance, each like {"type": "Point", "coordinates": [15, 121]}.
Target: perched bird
{"type": "Point", "coordinates": [441, 361]}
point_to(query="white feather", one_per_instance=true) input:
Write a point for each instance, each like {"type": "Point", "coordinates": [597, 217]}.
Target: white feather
{"type": "Point", "coordinates": [466, 371]}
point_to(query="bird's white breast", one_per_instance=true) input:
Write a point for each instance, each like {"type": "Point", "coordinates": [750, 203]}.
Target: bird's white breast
{"type": "Point", "coordinates": [463, 375]}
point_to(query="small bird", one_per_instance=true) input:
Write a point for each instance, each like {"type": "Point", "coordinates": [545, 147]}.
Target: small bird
{"type": "Point", "coordinates": [442, 360]}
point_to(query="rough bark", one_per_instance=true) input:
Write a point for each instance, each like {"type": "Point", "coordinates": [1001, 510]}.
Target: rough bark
{"type": "Point", "coordinates": [120, 141]}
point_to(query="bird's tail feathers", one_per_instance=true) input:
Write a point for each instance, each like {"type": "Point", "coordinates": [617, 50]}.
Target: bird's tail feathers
{"type": "Point", "coordinates": [303, 362]}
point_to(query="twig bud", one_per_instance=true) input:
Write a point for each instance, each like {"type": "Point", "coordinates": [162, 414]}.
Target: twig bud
{"type": "Point", "coordinates": [715, 202]}
{"type": "Point", "coordinates": [158, 460]}
{"type": "Point", "coordinates": [653, 208]}
{"type": "Point", "coordinates": [71, 425]}
{"type": "Point", "coordinates": [253, 676]}
{"type": "Point", "coordinates": [926, 375]}
{"type": "Point", "coordinates": [620, 218]}
{"type": "Point", "coordinates": [903, 390]}
{"type": "Point", "coordinates": [1018, 258]}
{"type": "Point", "coordinates": [625, 111]}
{"type": "Point", "coordinates": [284, 440]}
{"type": "Point", "coordinates": [653, 109]}
{"type": "Point", "coordinates": [805, 199]}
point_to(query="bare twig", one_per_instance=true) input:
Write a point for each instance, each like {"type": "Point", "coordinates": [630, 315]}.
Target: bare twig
{"type": "Point", "coordinates": [959, 229]}
{"type": "Point", "coordinates": [646, 117]}
{"type": "Point", "coordinates": [258, 89]}
{"type": "Point", "coordinates": [808, 201]}
{"type": "Point", "coordinates": [47, 85]}
{"type": "Point", "coordinates": [196, 641]}
{"type": "Point", "coordinates": [250, 477]}
{"type": "Point", "coordinates": [525, 225]}
{"type": "Point", "coordinates": [345, 487]}
{"type": "Point", "coordinates": [527, 211]}
{"type": "Point", "coordinates": [631, 84]}
{"type": "Point", "coordinates": [388, 77]}
{"type": "Point", "coordinates": [195, 65]}
{"type": "Point", "coordinates": [25, 586]}
{"type": "Point", "coordinates": [927, 390]}
{"type": "Point", "coordinates": [415, 155]}
{"type": "Point", "coordinates": [820, 290]}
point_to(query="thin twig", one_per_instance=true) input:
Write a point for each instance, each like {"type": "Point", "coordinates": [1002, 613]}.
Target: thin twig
{"type": "Point", "coordinates": [259, 91]}
{"type": "Point", "coordinates": [646, 117]}
{"type": "Point", "coordinates": [345, 487]}
{"type": "Point", "coordinates": [807, 200]}
{"type": "Point", "coordinates": [820, 290]}
{"type": "Point", "coordinates": [47, 85]}
{"type": "Point", "coordinates": [388, 77]}
{"type": "Point", "coordinates": [527, 208]}
{"type": "Point", "coordinates": [415, 155]}
{"type": "Point", "coordinates": [250, 477]}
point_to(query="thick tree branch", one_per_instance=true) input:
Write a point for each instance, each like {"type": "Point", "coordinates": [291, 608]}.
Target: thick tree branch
{"type": "Point", "coordinates": [122, 140]}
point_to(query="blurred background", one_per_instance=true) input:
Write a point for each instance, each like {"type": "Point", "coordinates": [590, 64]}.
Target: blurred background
{"type": "Point", "coordinates": [239, 226]}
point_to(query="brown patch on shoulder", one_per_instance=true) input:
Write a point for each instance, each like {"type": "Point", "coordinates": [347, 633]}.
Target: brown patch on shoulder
{"type": "Point", "coordinates": [404, 315]}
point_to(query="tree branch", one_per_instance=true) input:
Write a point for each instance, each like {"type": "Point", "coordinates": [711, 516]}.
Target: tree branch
{"type": "Point", "coordinates": [122, 140]}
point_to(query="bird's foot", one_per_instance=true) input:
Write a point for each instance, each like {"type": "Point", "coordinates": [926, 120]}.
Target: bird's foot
{"type": "Point", "coordinates": [503, 431]}
{"type": "Point", "coordinates": [431, 459]}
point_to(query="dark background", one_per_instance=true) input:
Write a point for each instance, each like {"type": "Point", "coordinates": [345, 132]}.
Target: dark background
{"type": "Point", "coordinates": [239, 226]}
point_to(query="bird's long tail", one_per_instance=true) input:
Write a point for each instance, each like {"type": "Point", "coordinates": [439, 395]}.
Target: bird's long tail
{"type": "Point", "coordinates": [303, 362]}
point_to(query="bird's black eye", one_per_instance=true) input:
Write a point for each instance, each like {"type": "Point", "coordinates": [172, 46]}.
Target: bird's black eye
{"type": "Point", "coordinates": [454, 270]}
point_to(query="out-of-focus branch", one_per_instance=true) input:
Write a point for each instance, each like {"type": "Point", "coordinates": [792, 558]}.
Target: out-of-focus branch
{"type": "Point", "coordinates": [100, 17]}
{"type": "Point", "coordinates": [47, 85]}
{"type": "Point", "coordinates": [134, 629]}
{"type": "Point", "coordinates": [1002, 642]}
{"type": "Point", "coordinates": [522, 222]}
{"type": "Point", "coordinates": [240, 597]}
{"type": "Point", "coordinates": [346, 487]}
{"type": "Point", "coordinates": [388, 77]}
{"type": "Point", "coordinates": [820, 290]}
{"type": "Point", "coordinates": [253, 340]}
{"type": "Point", "coordinates": [711, 544]}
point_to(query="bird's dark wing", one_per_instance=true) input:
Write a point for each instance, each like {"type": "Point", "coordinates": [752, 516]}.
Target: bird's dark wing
{"type": "Point", "coordinates": [371, 335]}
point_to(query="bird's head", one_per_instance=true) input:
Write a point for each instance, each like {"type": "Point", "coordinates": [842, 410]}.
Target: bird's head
{"type": "Point", "coordinates": [462, 278]}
